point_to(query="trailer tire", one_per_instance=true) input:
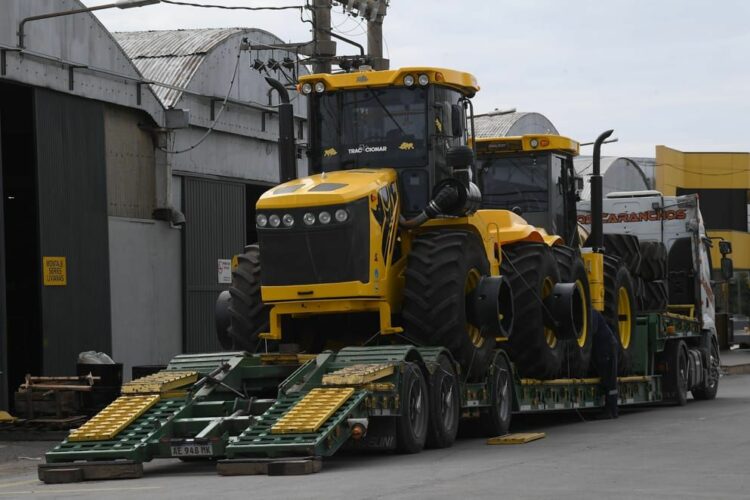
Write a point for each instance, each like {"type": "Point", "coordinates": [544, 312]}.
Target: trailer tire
{"type": "Point", "coordinates": [676, 376]}
{"type": "Point", "coordinates": [577, 352]}
{"type": "Point", "coordinates": [412, 424]}
{"type": "Point", "coordinates": [249, 317]}
{"type": "Point", "coordinates": [441, 269]}
{"type": "Point", "coordinates": [445, 405]}
{"type": "Point", "coordinates": [619, 310]}
{"type": "Point", "coordinates": [653, 260]}
{"type": "Point", "coordinates": [495, 420]}
{"type": "Point", "coordinates": [710, 387]}
{"type": "Point", "coordinates": [532, 272]}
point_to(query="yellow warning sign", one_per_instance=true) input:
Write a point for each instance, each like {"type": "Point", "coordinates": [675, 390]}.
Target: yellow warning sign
{"type": "Point", "coordinates": [55, 271]}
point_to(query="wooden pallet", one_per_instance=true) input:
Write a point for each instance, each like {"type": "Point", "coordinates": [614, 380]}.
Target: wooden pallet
{"type": "Point", "coordinates": [518, 438]}
{"type": "Point", "coordinates": [289, 466]}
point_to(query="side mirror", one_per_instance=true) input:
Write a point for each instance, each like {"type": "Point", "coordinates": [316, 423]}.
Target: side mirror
{"type": "Point", "coordinates": [727, 268]}
{"type": "Point", "coordinates": [457, 122]}
{"type": "Point", "coordinates": [725, 247]}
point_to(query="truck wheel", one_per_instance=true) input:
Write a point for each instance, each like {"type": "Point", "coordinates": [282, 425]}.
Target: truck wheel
{"type": "Point", "coordinates": [411, 425]}
{"type": "Point", "coordinates": [532, 273]}
{"type": "Point", "coordinates": [445, 405]}
{"type": "Point", "coordinates": [626, 248]}
{"type": "Point", "coordinates": [442, 270]}
{"type": "Point", "coordinates": [676, 377]}
{"type": "Point", "coordinates": [619, 309]}
{"type": "Point", "coordinates": [495, 420]}
{"type": "Point", "coordinates": [577, 352]}
{"type": "Point", "coordinates": [711, 385]}
{"type": "Point", "coordinates": [249, 315]}
{"type": "Point", "coordinates": [653, 260]}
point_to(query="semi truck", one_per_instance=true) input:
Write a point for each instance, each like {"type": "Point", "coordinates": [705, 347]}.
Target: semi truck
{"type": "Point", "coordinates": [390, 297]}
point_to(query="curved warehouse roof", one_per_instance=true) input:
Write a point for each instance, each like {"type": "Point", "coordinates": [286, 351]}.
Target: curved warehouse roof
{"type": "Point", "coordinates": [495, 124]}
{"type": "Point", "coordinates": [175, 57]}
{"type": "Point", "coordinates": [618, 174]}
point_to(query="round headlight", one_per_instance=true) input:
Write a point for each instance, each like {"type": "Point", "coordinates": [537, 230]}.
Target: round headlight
{"type": "Point", "coordinates": [261, 220]}
{"type": "Point", "coordinates": [408, 80]}
{"type": "Point", "coordinates": [424, 79]}
{"type": "Point", "coordinates": [288, 220]}
{"type": "Point", "coordinates": [324, 217]}
{"type": "Point", "coordinates": [320, 87]}
{"type": "Point", "coordinates": [308, 219]}
{"type": "Point", "coordinates": [341, 215]}
{"type": "Point", "coordinates": [274, 220]}
{"type": "Point", "coordinates": [306, 88]}
{"type": "Point", "coordinates": [534, 143]}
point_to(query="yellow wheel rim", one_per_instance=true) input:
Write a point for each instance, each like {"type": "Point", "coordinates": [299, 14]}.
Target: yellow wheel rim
{"type": "Point", "coordinates": [623, 317]}
{"type": "Point", "coordinates": [549, 333]}
{"type": "Point", "coordinates": [472, 280]}
{"type": "Point", "coordinates": [585, 325]}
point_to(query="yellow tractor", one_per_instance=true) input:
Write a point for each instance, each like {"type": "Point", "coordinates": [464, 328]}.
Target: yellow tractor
{"type": "Point", "coordinates": [391, 240]}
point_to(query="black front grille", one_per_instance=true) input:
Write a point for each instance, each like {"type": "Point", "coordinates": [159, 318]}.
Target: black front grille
{"type": "Point", "coordinates": [303, 255]}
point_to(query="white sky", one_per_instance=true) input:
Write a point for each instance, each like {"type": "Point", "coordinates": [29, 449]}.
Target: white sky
{"type": "Point", "coordinates": [673, 72]}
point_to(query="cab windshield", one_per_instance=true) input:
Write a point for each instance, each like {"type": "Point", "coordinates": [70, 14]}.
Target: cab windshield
{"type": "Point", "coordinates": [510, 182]}
{"type": "Point", "coordinates": [370, 128]}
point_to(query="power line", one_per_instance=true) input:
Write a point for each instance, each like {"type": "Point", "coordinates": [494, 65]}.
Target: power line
{"type": "Point", "coordinates": [227, 7]}
{"type": "Point", "coordinates": [708, 174]}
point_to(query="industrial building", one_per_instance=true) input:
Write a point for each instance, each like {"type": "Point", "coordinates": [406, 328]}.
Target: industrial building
{"type": "Point", "coordinates": [129, 164]}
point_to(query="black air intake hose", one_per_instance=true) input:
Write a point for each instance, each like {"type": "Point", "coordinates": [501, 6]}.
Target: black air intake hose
{"type": "Point", "coordinates": [451, 198]}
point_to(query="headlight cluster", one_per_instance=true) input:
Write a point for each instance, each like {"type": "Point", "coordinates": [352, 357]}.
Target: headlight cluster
{"type": "Point", "coordinates": [423, 79]}
{"type": "Point", "coordinates": [308, 219]}
{"type": "Point", "coordinates": [307, 87]}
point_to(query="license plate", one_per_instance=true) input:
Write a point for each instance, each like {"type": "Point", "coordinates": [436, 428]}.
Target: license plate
{"type": "Point", "coordinates": [192, 450]}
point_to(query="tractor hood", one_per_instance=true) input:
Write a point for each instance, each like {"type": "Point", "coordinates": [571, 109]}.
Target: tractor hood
{"type": "Point", "coordinates": [330, 188]}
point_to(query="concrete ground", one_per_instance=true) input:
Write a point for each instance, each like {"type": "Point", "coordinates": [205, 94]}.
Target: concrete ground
{"type": "Point", "coordinates": [700, 451]}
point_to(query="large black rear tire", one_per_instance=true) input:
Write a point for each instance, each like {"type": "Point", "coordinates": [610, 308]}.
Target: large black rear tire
{"type": "Point", "coordinates": [249, 317]}
{"type": "Point", "coordinates": [626, 248]}
{"type": "Point", "coordinates": [443, 267]}
{"type": "Point", "coordinates": [577, 352]}
{"type": "Point", "coordinates": [654, 296]}
{"type": "Point", "coordinates": [532, 273]}
{"type": "Point", "coordinates": [619, 310]}
{"type": "Point", "coordinates": [653, 260]}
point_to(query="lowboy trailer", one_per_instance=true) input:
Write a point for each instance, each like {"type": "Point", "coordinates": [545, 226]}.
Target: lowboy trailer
{"type": "Point", "coordinates": [260, 413]}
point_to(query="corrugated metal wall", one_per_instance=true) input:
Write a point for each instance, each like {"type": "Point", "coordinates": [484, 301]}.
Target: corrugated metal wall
{"type": "Point", "coordinates": [215, 229]}
{"type": "Point", "coordinates": [73, 223]}
{"type": "Point", "coordinates": [3, 323]}
{"type": "Point", "coordinates": [130, 164]}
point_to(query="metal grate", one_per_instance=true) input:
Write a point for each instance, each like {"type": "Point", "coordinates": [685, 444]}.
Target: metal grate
{"type": "Point", "coordinates": [312, 411]}
{"type": "Point", "coordinates": [114, 418]}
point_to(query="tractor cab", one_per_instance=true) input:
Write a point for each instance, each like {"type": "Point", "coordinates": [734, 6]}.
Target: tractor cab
{"type": "Point", "coordinates": [407, 119]}
{"type": "Point", "coordinates": [533, 176]}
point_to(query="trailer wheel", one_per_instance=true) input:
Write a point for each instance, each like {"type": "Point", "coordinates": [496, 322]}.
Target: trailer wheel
{"type": "Point", "coordinates": [577, 352]}
{"type": "Point", "coordinates": [619, 309]}
{"type": "Point", "coordinates": [443, 268]}
{"type": "Point", "coordinates": [532, 272]}
{"type": "Point", "coordinates": [412, 424]}
{"type": "Point", "coordinates": [495, 420]}
{"type": "Point", "coordinates": [249, 315]}
{"type": "Point", "coordinates": [445, 405]}
{"type": "Point", "coordinates": [676, 377]}
{"type": "Point", "coordinates": [711, 385]}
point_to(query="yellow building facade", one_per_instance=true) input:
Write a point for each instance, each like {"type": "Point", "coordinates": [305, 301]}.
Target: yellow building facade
{"type": "Point", "coordinates": [724, 176]}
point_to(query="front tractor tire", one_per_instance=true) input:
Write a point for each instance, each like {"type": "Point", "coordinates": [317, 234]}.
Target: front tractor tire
{"type": "Point", "coordinates": [249, 316]}
{"type": "Point", "coordinates": [442, 269]}
{"type": "Point", "coordinates": [532, 345]}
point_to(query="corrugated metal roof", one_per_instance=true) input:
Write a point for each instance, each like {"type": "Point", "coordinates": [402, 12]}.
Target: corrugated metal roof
{"type": "Point", "coordinates": [172, 57]}
{"type": "Point", "coordinates": [637, 180]}
{"type": "Point", "coordinates": [519, 123]}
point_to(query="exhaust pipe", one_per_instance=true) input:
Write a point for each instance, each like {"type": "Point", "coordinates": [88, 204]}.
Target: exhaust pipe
{"type": "Point", "coordinates": [597, 228]}
{"type": "Point", "coordinates": [287, 145]}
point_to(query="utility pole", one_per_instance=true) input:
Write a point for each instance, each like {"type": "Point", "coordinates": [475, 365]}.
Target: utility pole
{"type": "Point", "coordinates": [375, 38]}
{"type": "Point", "coordinates": [323, 47]}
